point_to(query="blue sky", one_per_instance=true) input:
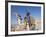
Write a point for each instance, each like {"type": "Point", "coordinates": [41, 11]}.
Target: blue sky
{"type": "Point", "coordinates": [33, 10]}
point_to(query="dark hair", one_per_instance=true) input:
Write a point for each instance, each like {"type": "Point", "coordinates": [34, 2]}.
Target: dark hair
{"type": "Point", "coordinates": [28, 14]}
